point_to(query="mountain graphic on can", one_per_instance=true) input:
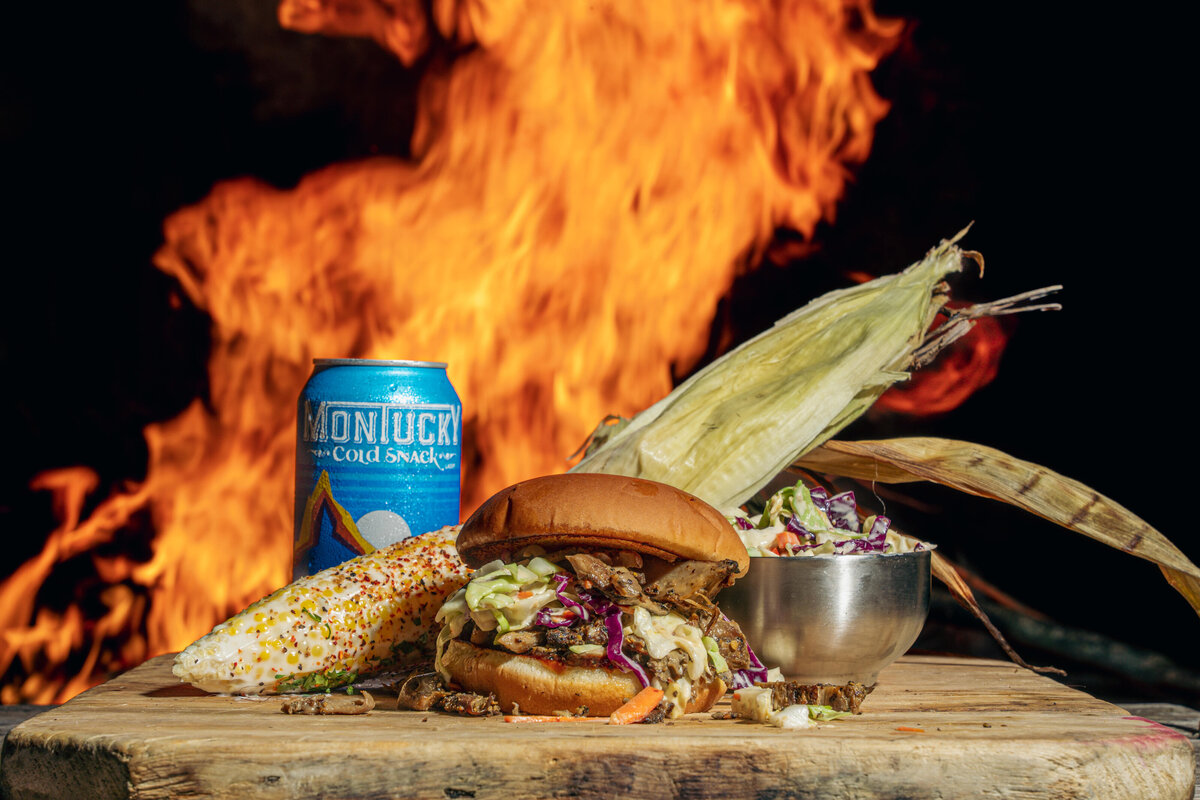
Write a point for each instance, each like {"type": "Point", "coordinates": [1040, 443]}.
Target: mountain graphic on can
{"type": "Point", "coordinates": [378, 458]}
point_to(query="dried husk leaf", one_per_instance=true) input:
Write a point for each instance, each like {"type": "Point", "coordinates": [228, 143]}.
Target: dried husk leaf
{"type": "Point", "coordinates": [987, 472]}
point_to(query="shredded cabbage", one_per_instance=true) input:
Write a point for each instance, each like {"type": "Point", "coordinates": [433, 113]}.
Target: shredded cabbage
{"type": "Point", "coordinates": [755, 703]}
{"type": "Point", "coordinates": [714, 654]}
{"type": "Point", "coordinates": [499, 597]}
{"type": "Point", "coordinates": [797, 521]}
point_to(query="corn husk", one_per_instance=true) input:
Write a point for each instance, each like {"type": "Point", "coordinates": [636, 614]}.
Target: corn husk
{"type": "Point", "coordinates": [987, 472]}
{"type": "Point", "coordinates": [775, 402]}
{"type": "Point", "coordinates": [735, 425]}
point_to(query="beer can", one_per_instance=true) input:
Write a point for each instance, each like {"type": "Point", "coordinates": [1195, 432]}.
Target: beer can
{"type": "Point", "coordinates": [378, 457]}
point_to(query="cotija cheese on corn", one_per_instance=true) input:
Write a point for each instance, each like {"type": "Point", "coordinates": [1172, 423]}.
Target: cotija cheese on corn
{"type": "Point", "coordinates": [367, 615]}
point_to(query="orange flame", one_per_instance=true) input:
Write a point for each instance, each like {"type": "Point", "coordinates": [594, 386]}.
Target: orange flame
{"type": "Point", "coordinates": [587, 181]}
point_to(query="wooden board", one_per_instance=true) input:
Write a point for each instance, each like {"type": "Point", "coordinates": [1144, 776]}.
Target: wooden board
{"type": "Point", "coordinates": [989, 729]}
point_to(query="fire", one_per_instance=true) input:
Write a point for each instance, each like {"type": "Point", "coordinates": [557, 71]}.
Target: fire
{"type": "Point", "coordinates": [587, 181]}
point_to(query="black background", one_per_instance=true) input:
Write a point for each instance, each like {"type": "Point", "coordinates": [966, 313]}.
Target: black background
{"type": "Point", "coordinates": [1059, 133]}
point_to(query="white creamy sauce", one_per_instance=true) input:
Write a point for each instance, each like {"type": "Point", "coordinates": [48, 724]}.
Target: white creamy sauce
{"type": "Point", "coordinates": [668, 632]}
{"type": "Point", "coordinates": [678, 693]}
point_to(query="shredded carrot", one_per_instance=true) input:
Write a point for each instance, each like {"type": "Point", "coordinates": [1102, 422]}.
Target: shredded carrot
{"type": "Point", "coordinates": [784, 539]}
{"type": "Point", "coordinates": [523, 594]}
{"type": "Point", "coordinates": [547, 718]}
{"type": "Point", "coordinates": [637, 708]}
{"type": "Point", "coordinates": [910, 730]}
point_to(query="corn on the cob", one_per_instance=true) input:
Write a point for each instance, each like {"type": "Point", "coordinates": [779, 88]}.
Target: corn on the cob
{"type": "Point", "coordinates": [367, 615]}
{"type": "Point", "coordinates": [736, 424]}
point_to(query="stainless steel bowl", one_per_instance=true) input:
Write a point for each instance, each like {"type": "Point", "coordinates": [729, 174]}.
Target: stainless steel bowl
{"type": "Point", "coordinates": [831, 619]}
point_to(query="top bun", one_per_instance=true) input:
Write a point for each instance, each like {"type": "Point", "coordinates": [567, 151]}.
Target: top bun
{"type": "Point", "coordinates": [604, 512]}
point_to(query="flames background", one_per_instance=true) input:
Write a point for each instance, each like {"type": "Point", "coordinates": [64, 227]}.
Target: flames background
{"type": "Point", "coordinates": [1052, 131]}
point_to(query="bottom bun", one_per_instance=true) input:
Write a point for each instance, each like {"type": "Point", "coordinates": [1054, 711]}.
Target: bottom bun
{"type": "Point", "coordinates": [540, 687]}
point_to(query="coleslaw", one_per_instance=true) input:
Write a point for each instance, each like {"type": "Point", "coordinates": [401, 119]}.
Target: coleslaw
{"type": "Point", "coordinates": [798, 521]}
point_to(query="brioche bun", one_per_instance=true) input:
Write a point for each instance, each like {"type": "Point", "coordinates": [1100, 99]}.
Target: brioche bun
{"type": "Point", "coordinates": [539, 687]}
{"type": "Point", "coordinates": [593, 510]}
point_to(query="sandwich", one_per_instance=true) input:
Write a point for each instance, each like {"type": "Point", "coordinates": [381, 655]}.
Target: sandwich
{"type": "Point", "coordinates": [587, 589]}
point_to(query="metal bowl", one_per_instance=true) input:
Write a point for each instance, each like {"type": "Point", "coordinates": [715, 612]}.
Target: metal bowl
{"type": "Point", "coordinates": [831, 619]}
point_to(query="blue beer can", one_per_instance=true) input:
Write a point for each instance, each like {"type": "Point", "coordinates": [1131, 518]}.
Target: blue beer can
{"type": "Point", "coordinates": [378, 457]}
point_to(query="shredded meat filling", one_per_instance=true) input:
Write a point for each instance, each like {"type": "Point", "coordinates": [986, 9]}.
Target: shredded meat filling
{"type": "Point", "coordinates": [619, 584]}
{"type": "Point", "coordinates": [686, 579]}
{"type": "Point", "coordinates": [656, 716]}
{"type": "Point", "coordinates": [564, 637]}
{"type": "Point", "coordinates": [428, 691]}
{"type": "Point", "coordinates": [469, 704]}
{"type": "Point", "coordinates": [360, 703]}
{"type": "Point", "coordinates": [593, 632]}
{"type": "Point", "coordinates": [731, 642]}
{"type": "Point", "coordinates": [841, 698]}
{"type": "Point", "coordinates": [519, 641]}
{"type": "Point", "coordinates": [670, 667]}
{"type": "Point", "coordinates": [419, 692]}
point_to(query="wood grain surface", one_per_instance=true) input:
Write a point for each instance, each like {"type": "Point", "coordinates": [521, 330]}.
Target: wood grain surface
{"type": "Point", "coordinates": [985, 729]}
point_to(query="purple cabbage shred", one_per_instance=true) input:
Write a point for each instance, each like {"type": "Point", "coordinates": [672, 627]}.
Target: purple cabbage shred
{"type": "Point", "coordinates": [843, 512]}
{"type": "Point", "coordinates": [793, 525]}
{"type": "Point", "coordinates": [548, 620]}
{"type": "Point", "coordinates": [877, 536]}
{"type": "Point", "coordinates": [616, 642]}
{"type": "Point", "coordinates": [874, 542]}
{"type": "Point", "coordinates": [596, 605]}
{"type": "Point", "coordinates": [567, 602]}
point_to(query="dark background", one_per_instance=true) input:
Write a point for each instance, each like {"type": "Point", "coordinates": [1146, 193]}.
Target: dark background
{"type": "Point", "coordinates": [1058, 134]}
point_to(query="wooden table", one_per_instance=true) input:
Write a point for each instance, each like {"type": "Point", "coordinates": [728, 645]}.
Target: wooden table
{"type": "Point", "coordinates": [982, 729]}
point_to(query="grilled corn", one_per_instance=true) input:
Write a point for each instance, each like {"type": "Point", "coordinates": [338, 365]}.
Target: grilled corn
{"type": "Point", "coordinates": [367, 615]}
